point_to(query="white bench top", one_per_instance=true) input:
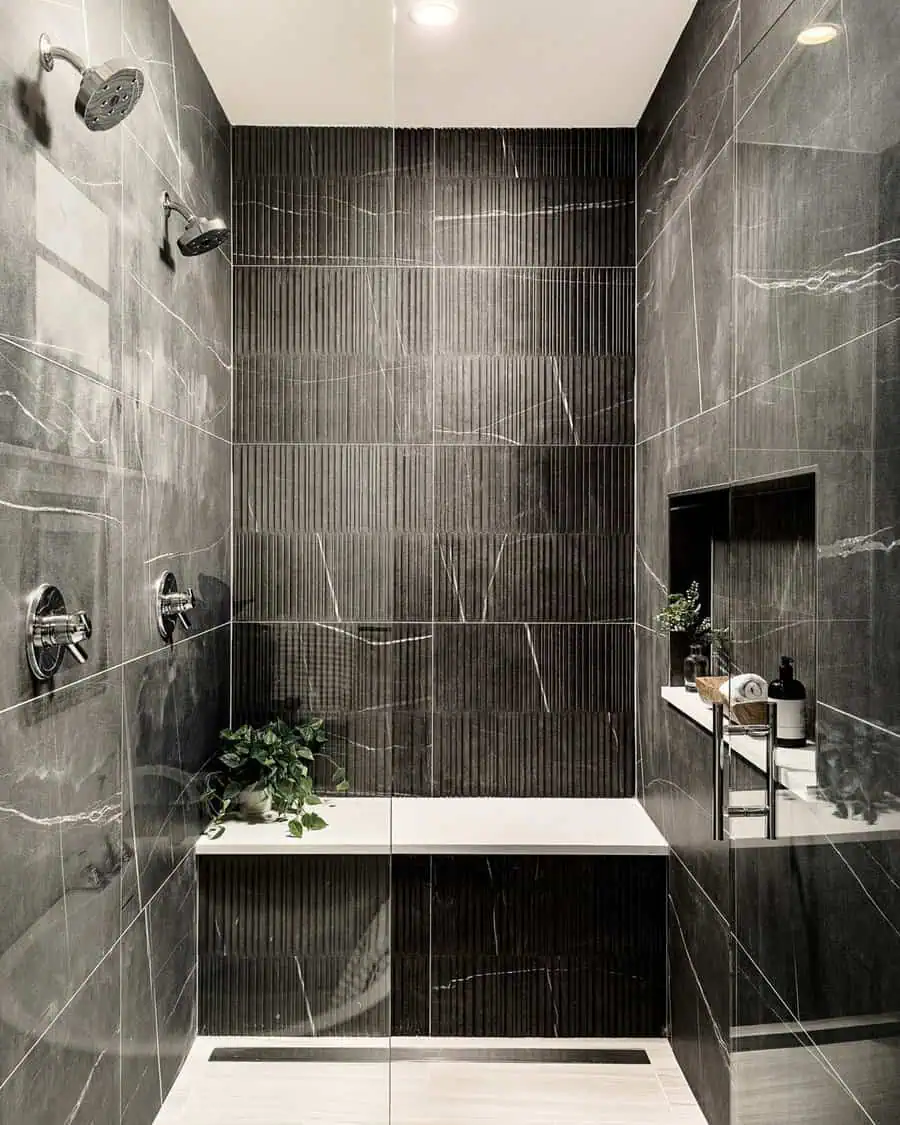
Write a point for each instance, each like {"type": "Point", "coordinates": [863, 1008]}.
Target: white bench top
{"type": "Point", "coordinates": [455, 826]}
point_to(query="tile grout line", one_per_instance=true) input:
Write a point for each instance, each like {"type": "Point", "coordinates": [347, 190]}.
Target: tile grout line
{"type": "Point", "coordinates": [113, 668]}
{"type": "Point", "coordinates": [434, 540]}
{"type": "Point", "coordinates": [109, 952]}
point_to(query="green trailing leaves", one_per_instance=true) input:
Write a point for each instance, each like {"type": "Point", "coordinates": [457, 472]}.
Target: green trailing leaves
{"type": "Point", "coordinates": [278, 758]}
{"type": "Point", "coordinates": [684, 614]}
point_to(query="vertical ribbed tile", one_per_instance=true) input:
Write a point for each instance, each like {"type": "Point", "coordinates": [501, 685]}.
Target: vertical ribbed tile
{"type": "Point", "coordinates": [377, 312]}
{"type": "Point", "coordinates": [296, 576]}
{"type": "Point", "coordinates": [518, 946]}
{"type": "Point", "coordinates": [311, 153]}
{"type": "Point", "coordinates": [533, 668]}
{"type": "Point", "coordinates": [535, 312]}
{"type": "Point", "coordinates": [530, 317]}
{"type": "Point", "coordinates": [411, 894]}
{"type": "Point", "coordinates": [285, 221]}
{"type": "Point", "coordinates": [332, 399]}
{"type": "Point", "coordinates": [491, 577]}
{"type": "Point", "coordinates": [372, 685]}
{"type": "Point", "coordinates": [547, 946]}
{"type": "Point", "coordinates": [530, 709]}
{"type": "Point", "coordinates": [540, 490]}
{"type": "Point", "coordinates": [534, 400]}
{"type": "Point", "coordinates": [332, 488]}
{"type": "Point", "coordinates": [515, 754]}
{"type": "Point", "coordinates": [332, 669]}
{"type": "Point", "coordinates": [295, 949]}
{"type": "Point", "coordinates": [549, 154]}
{"type": "Point", "coordinates": [516, 222]}
{"type": "Point", "coordinates": [434, 369]}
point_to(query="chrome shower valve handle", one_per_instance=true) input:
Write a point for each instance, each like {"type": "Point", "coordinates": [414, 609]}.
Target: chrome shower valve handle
{"type": "Point", "coordinates": [172, 605]}
{"type": "Point", "coordinates": [51, 632]}
{"type": "Point", "coordinates": [177, 605]}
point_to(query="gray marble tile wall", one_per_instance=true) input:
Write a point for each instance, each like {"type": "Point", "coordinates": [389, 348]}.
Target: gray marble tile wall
{"type": "Point", "coordinates": [115, 456]}
{"type": "Point", "coordinates": [767, 328]}
{"type": "Point", "coordinates": [434, 459]}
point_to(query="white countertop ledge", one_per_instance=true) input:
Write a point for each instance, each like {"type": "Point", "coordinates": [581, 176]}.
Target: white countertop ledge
{"type": "Point", "coordinates": [456, 826]}
{"type": "Point", "coordinates": [796, 766]}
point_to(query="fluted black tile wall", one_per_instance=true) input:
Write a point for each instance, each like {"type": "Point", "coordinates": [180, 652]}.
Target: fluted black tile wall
{"type": "Point", "coordinates": [289, 948]}
{"type": "Point", "coordinates": [529, 945]}
{"type": "Point", "coordinates": [115, 401]}
{"type": "Point", "coordinates": [418, 945]}
{"type": "Point", "coordinates": [434, 458]}
{"type": "Point", "coordinates": [767, 326]}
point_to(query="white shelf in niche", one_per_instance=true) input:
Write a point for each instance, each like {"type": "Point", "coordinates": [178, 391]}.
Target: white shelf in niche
{"type": "Point", "coordinates": [802, 815]}
{"type": "Point", "coordinates": [796, 766]}
{"type": "Point", "coordinates": [456, 826]}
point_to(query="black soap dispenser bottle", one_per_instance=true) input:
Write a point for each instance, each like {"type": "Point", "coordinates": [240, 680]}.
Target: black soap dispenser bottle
{"type": "Point", "coordinates": [790, 695]}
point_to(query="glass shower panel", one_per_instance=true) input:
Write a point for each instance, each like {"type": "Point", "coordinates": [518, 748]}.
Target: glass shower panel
{"type": "Point", "coordinates": [814, 569]}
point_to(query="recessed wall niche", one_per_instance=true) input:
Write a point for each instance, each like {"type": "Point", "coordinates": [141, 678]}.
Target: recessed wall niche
{"type": "Point", "coordinates": [752, 551]}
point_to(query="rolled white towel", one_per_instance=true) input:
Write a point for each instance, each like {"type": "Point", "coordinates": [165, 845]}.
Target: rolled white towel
{"type": "Point", "coordinates": [746, 688]}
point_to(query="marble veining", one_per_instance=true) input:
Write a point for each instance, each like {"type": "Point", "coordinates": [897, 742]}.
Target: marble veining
{"type": "Point", "coordinates": [115, 373]}
{"type": "Point", "coordinates": [769, 249]}
{"type": "Point", "coordinates": [434, 367]}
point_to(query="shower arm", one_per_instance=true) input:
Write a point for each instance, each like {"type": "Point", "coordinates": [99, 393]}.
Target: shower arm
{"type": "Point", "coordinates": [171, 205]}
{"type": "Point", "coordinates": [49, 54]}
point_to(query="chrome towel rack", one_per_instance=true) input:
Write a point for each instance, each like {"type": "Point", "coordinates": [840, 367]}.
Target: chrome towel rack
{"type": "Point", "coordinates": [722, 809]}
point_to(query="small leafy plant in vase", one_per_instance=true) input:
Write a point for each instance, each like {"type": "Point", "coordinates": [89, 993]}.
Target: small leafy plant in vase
{"type": "Point", "coordinates": [264, 773]}
{"type": "Point", "coordinates": [683, 615]}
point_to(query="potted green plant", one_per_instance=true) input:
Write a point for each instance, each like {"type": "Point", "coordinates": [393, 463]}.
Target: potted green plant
{"type": "Point", "coordinates": [683, 614]}
{"type": "Point", "coordinates": [265, 773]}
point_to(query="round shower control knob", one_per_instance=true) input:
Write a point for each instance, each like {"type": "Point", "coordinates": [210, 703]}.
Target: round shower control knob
{"type": "Point", "coordinates": [51, 632]}
{"type": "Point", "coordinates": [172, 605]}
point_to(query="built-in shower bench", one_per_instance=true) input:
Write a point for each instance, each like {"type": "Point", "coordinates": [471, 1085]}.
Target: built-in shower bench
{"type": "Point", "coordinates": [437, 916]}
{"type": "Point", "coordinates": [456, 826]}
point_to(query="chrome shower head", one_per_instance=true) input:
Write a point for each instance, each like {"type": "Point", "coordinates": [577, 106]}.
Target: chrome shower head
{"type": "Point", "coordinates": [107, 94]}
{"type": "Point", "coordinates": [200, 234]}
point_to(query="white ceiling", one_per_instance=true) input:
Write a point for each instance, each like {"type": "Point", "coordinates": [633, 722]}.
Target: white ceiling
{"type": "Point", "coordinates": [505, 63]}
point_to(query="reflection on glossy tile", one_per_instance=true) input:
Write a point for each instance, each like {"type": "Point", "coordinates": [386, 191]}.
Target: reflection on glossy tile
{"type": "Point", "coordinates": [811, 325]}
{"type": "Point", "coordinates": [95, 767]}
{"type": "Point", "coordinates": [70, 225]}
{"type": "Point", "coordinates": [71, 321]}
{"type": "Point", "coordinates": [174, 709]}
{"type": "Point", "coordinates": [177, 318]}
{"type": "Point", "coordinates": [61, 824]}
{"type": "Point", "coordinates": [60, 520]}
{"type": "Point", "coordinates": [175, 520]}
{"type": "Point", "coordinates": [141, 1091]}
{"type": "Point", "coordinates": [72, 1072]}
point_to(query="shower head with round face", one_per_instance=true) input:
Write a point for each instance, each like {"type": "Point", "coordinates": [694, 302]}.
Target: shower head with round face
{"type": "Point", "coordinates": [107, 94]}
{"type": "Point", "coordinates": [200, 234]}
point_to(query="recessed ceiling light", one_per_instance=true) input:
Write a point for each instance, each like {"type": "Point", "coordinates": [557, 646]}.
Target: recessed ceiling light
{"type": "Point", "coordinates": [817, 34]}
{"type": "Point", "coordinates": [434, 13]}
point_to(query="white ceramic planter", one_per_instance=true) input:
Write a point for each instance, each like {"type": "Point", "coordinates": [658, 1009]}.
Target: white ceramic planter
{"type": "Point", "coordinates": [255, 804]}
